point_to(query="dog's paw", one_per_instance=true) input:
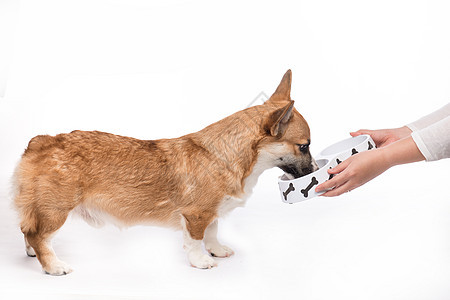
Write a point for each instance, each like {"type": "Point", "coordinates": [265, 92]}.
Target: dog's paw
{"type": "Point", "coordinates": [30, 251]}
{"type": "Point", "coordinates": [219, 250]}
{"type": "Point", "coordinates": [202, 261]}
{"type": "Point", "coordinates": [58, 268]}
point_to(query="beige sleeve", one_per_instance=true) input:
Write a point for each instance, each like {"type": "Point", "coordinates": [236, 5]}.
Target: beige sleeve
{"type": "Point", "coordinates": [430, 119]}
{"type": "Point", "coordinates": [434, 141]}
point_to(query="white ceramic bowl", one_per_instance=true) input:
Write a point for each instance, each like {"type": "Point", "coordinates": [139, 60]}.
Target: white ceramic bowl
{"type": "Point", "coordinates": [348, 147]}
{"type": "Point", "coordinates": [303, 188]}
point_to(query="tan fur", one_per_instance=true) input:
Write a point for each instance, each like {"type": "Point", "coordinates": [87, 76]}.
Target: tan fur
{"type": "Point", "coordinates": [152, 181]}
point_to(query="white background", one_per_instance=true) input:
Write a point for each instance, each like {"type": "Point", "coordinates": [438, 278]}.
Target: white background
{"type": "Point", "coordinates": [153, 69]}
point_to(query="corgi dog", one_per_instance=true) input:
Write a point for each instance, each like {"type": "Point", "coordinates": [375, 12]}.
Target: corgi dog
{"type": "Point", "coordinates": [186, 183]}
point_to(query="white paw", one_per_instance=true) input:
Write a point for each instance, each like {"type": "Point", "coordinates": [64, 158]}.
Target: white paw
{"type": "Point", "coordinates": [201, 261]}
{"type": "Point", "coordinates": [58, 268]}
{"type": "Point", "coordinates": [219, 250]}
{"type": "Point", "coordinates": [30, 251]}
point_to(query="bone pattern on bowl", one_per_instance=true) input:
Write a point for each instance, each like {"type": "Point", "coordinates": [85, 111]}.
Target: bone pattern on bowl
{"type": "Point", "coordinates": [302, 188]}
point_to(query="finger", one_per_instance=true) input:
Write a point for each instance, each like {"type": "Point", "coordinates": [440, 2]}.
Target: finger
{"type": "Point", "coordinates": [329, 184]}
{"type": "Point", "coordinates": [338, 190]}
{"type": "Point", "coordinates": [361, 131]}
{"type": "Point", "coordinates": [340, 167]}
{"type": "Point", "coordinates": [324, 186]}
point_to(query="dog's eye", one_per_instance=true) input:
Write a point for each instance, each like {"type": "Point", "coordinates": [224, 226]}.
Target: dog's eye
{"type": "Point", "coordinates": [303, 147]}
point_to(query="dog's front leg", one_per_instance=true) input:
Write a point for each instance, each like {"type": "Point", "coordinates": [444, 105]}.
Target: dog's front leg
{"type": "Point", "coordinates": [193, 232]}
{"type": "Point", "coordinates": [212, 245]}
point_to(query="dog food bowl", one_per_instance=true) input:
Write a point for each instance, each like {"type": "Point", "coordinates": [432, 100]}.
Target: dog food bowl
{"type": "Point", "coordinates": [303, 188]}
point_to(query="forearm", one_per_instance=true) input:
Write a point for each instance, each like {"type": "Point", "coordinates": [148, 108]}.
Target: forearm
{"type": "Point", "coordinates": [401, 152]}
{"type": "Point", "coordinates": [403, 132]}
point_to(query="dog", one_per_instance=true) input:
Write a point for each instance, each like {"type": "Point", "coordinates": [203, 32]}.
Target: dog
{"type": "Point", "coordinates": [186, 183]}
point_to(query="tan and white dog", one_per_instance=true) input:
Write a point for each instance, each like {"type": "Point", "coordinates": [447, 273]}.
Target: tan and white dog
{"type": "Point", "coordinates": [185, 183]}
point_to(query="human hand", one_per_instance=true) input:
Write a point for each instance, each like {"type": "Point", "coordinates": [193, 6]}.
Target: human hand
{"type": "Point", "coordinates": [384, 137]}
{"type": "Point", "coordinates": [354, 172]}
{"type": "Point", "coordinates": [364, 166]}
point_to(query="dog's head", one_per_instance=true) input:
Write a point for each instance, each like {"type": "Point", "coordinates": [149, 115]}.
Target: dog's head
{"type": "Point", "coordinates": [287, 135]}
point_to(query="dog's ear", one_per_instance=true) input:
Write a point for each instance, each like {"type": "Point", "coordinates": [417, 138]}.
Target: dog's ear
{"type": "Point", "coordinates": [278, 120]}
{"type": "Point", "coordinates": [283, 91]}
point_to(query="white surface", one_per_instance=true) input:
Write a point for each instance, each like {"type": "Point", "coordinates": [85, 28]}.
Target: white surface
{"type": "Point", "coordinates": [9, 13]}
{"type": "Point", "coordinates": [153, 69]}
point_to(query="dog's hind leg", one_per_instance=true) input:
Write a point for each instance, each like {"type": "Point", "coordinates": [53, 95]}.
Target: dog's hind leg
{"type": "Point", "coordinates": [43, 208]}
{"type": "Point", "coordinates": [193, 231]}
{"type": "Point", "coordinates": [40, 241]}
{"type": "Point", "coordinates": [212, 245]}
{"type": "Point", "coordinates": [41, 216]}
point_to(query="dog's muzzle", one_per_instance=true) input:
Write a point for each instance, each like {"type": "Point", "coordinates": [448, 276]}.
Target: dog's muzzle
{"type": "Point", "coordinates": [296, 171]}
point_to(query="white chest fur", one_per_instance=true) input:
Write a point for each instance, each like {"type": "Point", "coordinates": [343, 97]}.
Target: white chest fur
{"type": "Point", "coordinates": [228, 204]}
{"type": "Point", "coordinates": [264, 161]}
